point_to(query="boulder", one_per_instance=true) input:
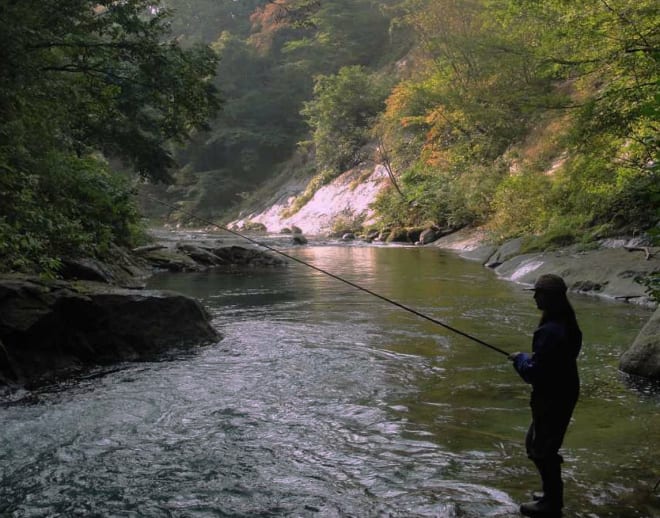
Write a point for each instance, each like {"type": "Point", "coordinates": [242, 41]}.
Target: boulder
{"type": "Point", "coordinates": [643, 357]}
{"type": "Point", "coordinates": [481, 254]}
{"type": "Point", "coordinates": [414, 234]}
{"type": "Point", "coordinates": [254, 226]}
{"type": "Point", "coordinates": [383, 234]}
{"type": "Point", "coordinates": [200, 255]}
{"type": "Point", "coordinates": [49, 329]}
{"type": "Point", "coordinates": [237, 256]}
{"type": "Point", "coordinates": [348, 236]}
{"type": "Point", "coordinates": [508, 250]}
{"type": "Point", "coordinates": [338, 233]}
{"type": "Point", "coordinates": [296, 230]}
{"type": "Point", "coordinates": [173, 260]}
{"type": "Point", "coordinates": [85, 269]}
{"type": "Point", "coordinates": [428, 236]}
{"type": "Point", "coordinates": [398, 235]}
{"type": "Point", "coordinates": [121, 269]}
{"type": "Point", "coordinates": [299, 239]}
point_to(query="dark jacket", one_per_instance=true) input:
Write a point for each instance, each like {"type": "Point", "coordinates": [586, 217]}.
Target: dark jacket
{"type": "Point", "coordinates": [552, 368]}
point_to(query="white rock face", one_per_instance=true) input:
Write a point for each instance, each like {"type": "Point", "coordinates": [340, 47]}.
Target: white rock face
{"type": "Point", "coordinates": [343, 197]}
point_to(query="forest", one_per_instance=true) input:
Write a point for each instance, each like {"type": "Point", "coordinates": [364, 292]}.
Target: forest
{"type": "Point", "coordinates": [534, 119]}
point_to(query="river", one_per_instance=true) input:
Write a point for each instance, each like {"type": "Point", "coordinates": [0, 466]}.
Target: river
{"type": "Point", "coordinates": [321, 400]}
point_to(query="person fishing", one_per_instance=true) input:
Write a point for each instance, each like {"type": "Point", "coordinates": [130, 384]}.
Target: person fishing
{"type": "Point", "coordinates": [552, 371]}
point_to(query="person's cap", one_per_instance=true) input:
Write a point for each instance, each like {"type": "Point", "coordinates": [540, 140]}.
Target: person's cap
{"type": "Point", "coordinates": [549, 282]}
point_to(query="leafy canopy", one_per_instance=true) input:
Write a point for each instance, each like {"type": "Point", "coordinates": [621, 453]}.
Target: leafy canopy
{"type": "Point", "coordinates": [83, 82]}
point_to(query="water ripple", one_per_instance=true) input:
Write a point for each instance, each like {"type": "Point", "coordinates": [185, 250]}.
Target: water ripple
{"type": "Point", "coordinates": [323, 402]}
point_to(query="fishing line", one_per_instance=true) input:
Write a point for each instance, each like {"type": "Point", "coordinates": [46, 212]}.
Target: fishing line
{"type": "Point", "coordinates": [336, 277]}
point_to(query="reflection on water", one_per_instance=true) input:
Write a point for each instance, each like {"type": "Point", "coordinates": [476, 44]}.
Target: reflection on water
{"type": "Point", "coordinates": [324, 401]}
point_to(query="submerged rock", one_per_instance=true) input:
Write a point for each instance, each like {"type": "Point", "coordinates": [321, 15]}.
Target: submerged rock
{"type": "Point", "coordinates": [172, 260]}
{"type": "Point", "coordinates": [643, 358]}
{"type": "Point", "coordinates": [50, 329]}
{"type": "Point", "coordinates": [200, 255]}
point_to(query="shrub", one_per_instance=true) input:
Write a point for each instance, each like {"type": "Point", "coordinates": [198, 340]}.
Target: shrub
{"type": "Point", "coordinates": [520, 205]}
{"type": "Point", "coordinates": [341, 114]}
{"type": "Point", "coordinates": [66, 206]}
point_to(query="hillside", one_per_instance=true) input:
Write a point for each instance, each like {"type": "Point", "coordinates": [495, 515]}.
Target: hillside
{"type": "Point", "coordinates": [536, 120]}
{"type": "Point", "coordinates": [529, 121]}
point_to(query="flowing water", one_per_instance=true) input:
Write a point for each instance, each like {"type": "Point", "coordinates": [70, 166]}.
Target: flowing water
{"type": "Point", "coordinates": [323, 401]}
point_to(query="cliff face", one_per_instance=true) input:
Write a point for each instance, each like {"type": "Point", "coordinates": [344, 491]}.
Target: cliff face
{"type": "Point", "coordinates": [346, 198]}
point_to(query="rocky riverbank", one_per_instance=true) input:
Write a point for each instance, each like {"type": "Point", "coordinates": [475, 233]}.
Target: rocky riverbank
{"type": "Point", "coordinates": [51, 329]}
{"type": "Point", "coordinates": [100, 313]}
{"type": "Point", "coordinates": [612, 269]}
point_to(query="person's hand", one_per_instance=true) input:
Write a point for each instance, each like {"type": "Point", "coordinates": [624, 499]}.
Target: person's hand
{"type": "Point", "coordinates": [512, 356]}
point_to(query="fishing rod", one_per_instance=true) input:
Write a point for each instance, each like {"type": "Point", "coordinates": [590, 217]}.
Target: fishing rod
{"type": "Point", "coordinates": [336, 277]}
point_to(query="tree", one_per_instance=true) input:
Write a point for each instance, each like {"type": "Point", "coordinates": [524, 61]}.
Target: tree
{"type": "Point", "coordinates": [90, 75]}
{"type": "Point", "coordinates": [341, 114]}
{"type": "Point", "coordinates": [83, 82]}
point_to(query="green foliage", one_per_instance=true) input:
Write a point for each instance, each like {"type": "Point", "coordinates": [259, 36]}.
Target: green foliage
{"type": "Point", "coordinates": [100, 76]}
{"type": "Point", "coordinates": [347, 222]}
{"type": "Point", "coordinates": [203, 20]}
{"type": "Point", "coordinates": [652, 282]}
{"type": "Point", "coordinates": [497, 68]}
{"type": "Point", "coordinates": [269, 53]}
{"type": "Point", "coordinates": [80, 81]}
{"type": "Point", "coordinates": [66, 207]}
{"type": "Point", "coordinates": [341, 114]}
{"type": "Point", "coordinates": [536, 118]}
{"type": "Point", "coordinates": [452, 199]}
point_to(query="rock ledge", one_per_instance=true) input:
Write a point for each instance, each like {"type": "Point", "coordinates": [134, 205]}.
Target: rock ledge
{"type": "Point", "coordinates": [50, 329]}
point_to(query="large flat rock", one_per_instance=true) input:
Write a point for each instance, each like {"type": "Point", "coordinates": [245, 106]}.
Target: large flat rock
{"type": "Point", "coordinates": [49, 329]}
{"type": "Point", "coordinates": [612, 273]}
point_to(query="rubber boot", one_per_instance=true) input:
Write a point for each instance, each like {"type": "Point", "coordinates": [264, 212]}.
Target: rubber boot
{"type": "Point", "coordinates": [550, 502]}
{"type": "Point", "coordinates": [541, 509]}
{"type": "Point", "coordinates": [538, 495]}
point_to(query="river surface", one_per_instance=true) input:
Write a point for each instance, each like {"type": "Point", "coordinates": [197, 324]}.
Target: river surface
{"type": "Point", "coordinates": [321, 400]}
